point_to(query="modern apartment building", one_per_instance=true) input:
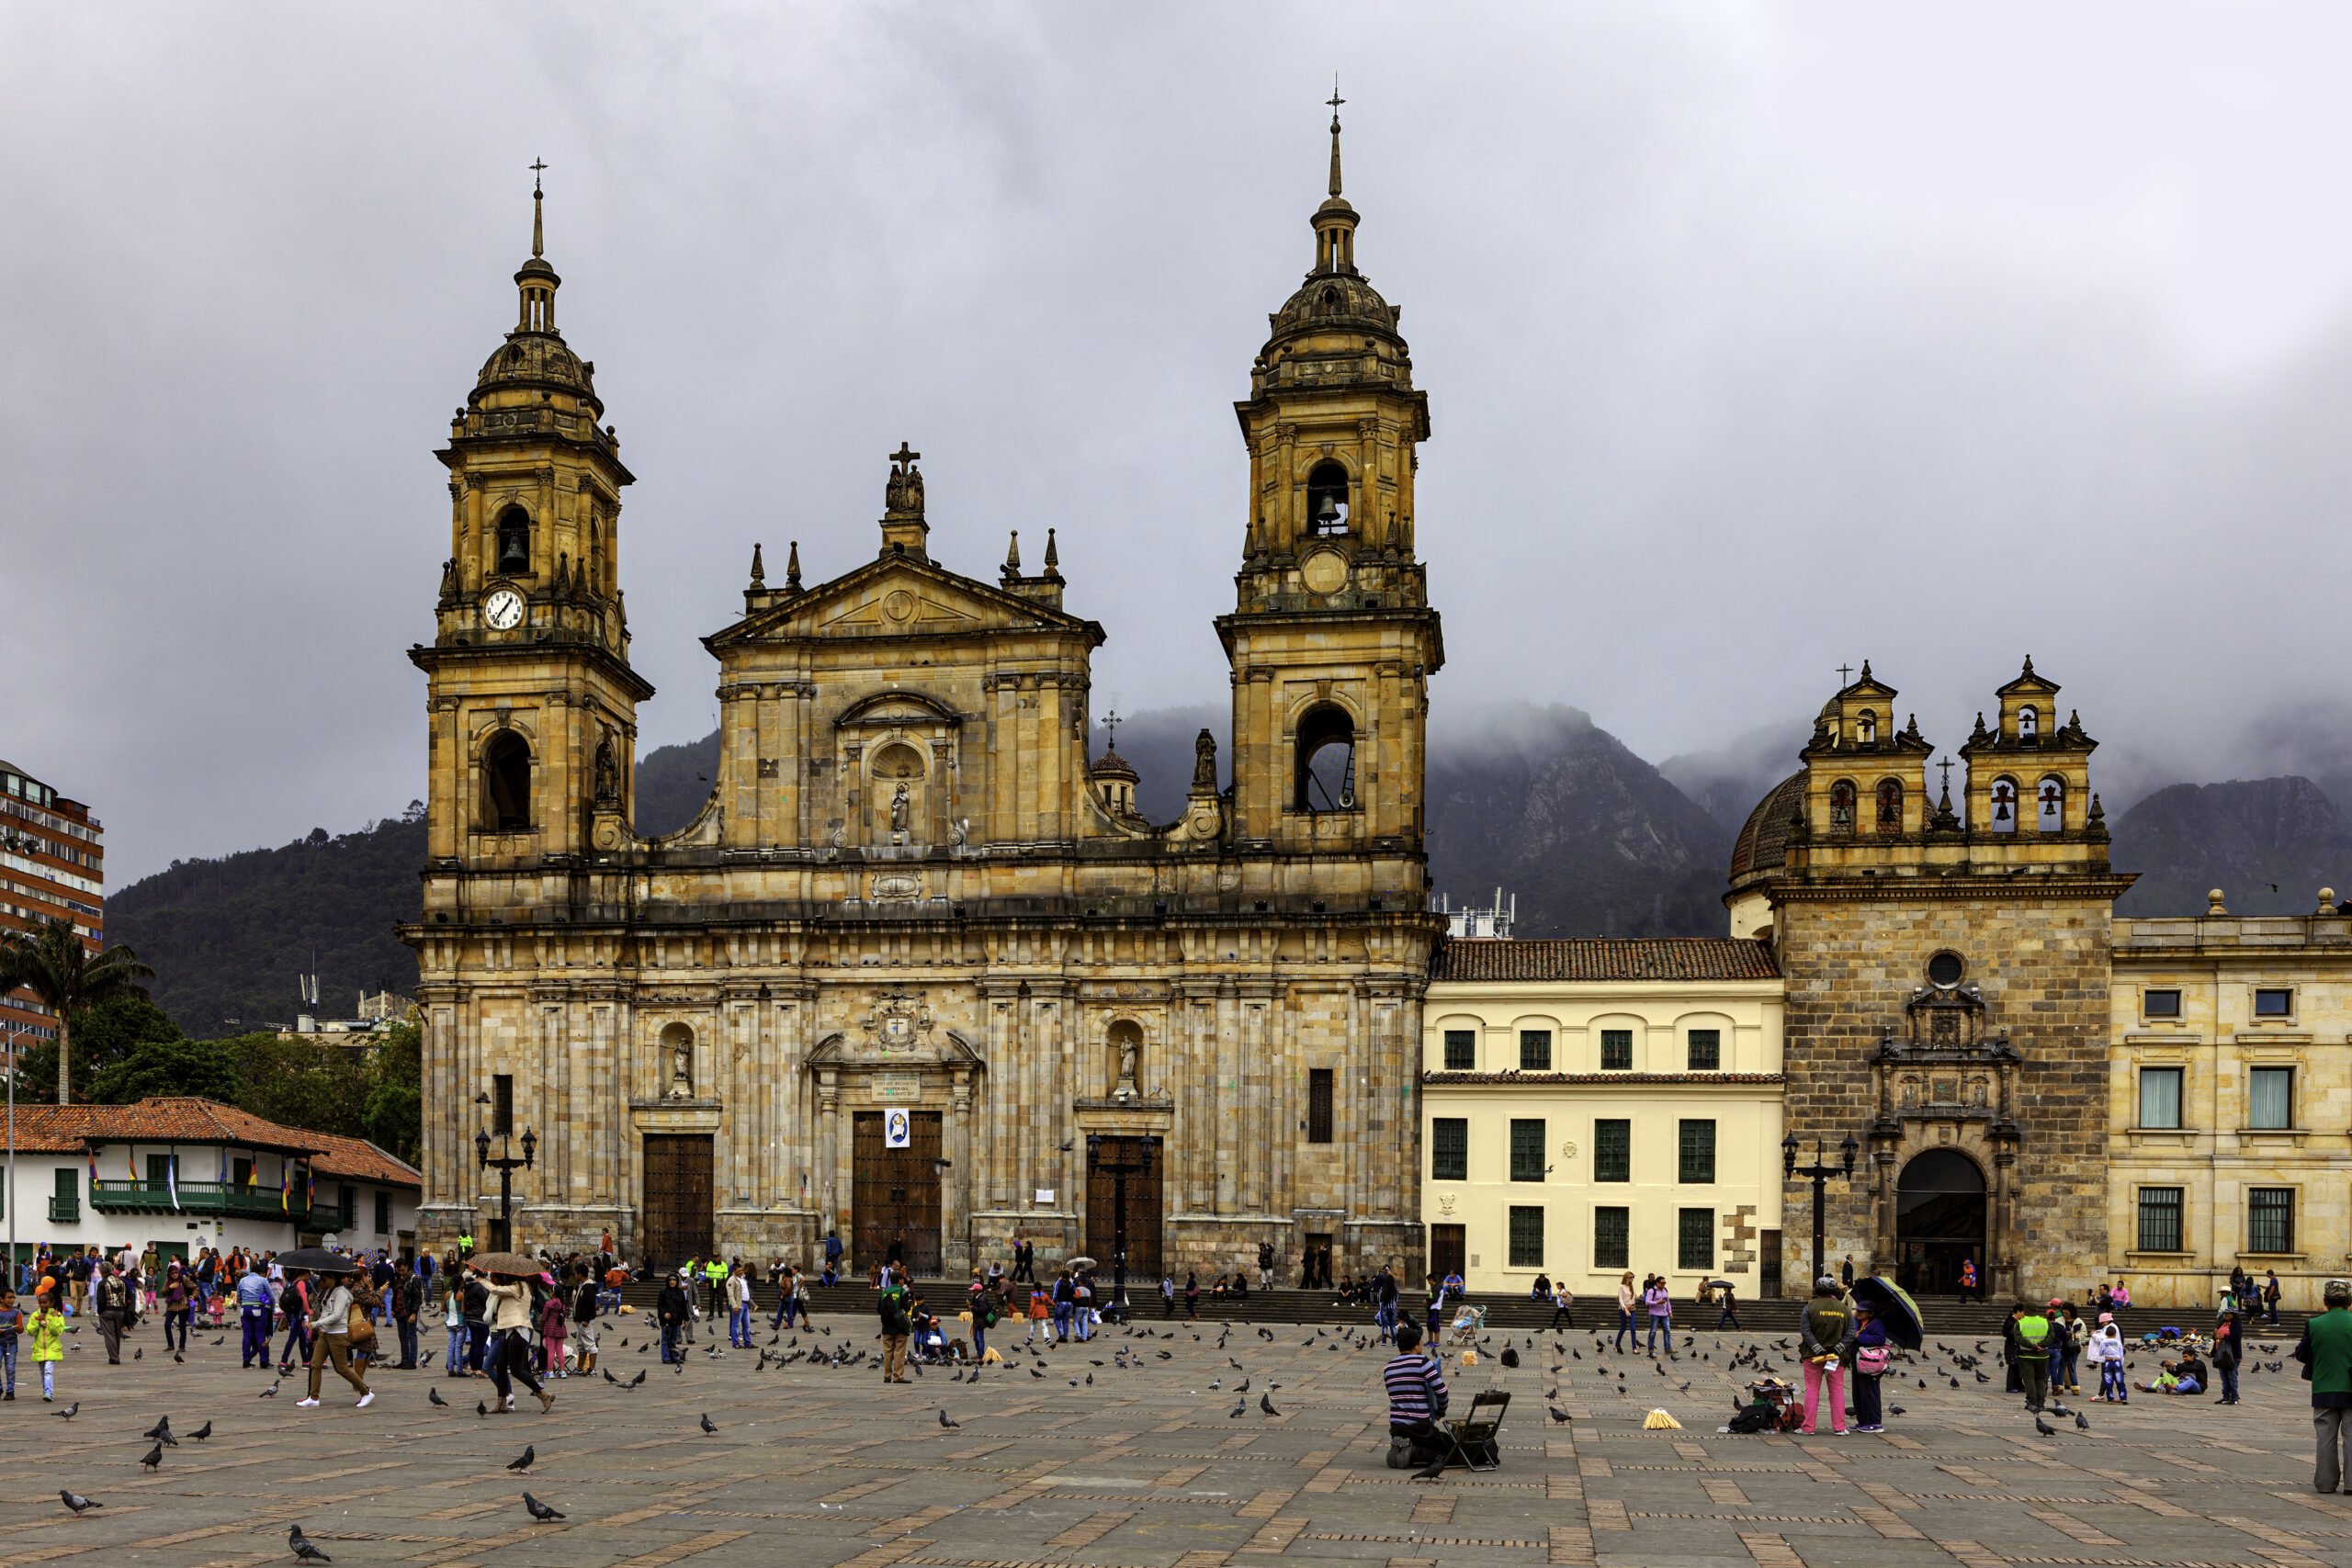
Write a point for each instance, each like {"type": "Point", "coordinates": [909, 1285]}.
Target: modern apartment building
{"type": "Point", "coordinates": [51, 867]}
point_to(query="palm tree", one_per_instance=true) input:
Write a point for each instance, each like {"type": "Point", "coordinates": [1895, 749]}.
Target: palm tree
{"type": "Point", "coordinates": [50, 962]}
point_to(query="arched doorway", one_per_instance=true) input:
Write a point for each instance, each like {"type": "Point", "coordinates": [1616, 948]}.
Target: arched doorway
{"type": "Point", "coordinates": [1938, 1221]}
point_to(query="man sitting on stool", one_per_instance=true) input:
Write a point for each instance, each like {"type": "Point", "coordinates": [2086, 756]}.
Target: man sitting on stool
{"type": "Point", "coordinates": [1416, 1398]}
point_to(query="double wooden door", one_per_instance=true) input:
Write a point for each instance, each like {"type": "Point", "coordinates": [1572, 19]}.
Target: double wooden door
{"type": "Point", "coordinates": [677, 1212]}
{"type": "Point", "coordinates": [894, 1193]}
{"type": "Point", "coordinates": [1140, 1234]}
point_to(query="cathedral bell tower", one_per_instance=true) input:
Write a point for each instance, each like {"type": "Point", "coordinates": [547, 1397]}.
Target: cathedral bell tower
{"type": "Point", "coordinates": [532, 702]}
{"type": "Point", "coordinates": [1331, 639]}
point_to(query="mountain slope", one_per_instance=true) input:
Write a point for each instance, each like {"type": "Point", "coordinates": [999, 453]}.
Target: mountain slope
{"type": "Point", "coordinates": [2247, 836]}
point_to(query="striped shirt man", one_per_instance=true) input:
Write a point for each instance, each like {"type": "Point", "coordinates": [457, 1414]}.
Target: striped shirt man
{"type": "Point", "coordinates": [1417, 1393]}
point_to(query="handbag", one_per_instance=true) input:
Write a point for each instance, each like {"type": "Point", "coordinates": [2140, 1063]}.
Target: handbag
{"type": "Point", "coordinates": [1872, 1360]}
{"type": "Point", "coordinates": [362, 1328]}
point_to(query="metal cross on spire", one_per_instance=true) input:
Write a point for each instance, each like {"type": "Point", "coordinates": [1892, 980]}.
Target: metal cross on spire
{"type": "Point", "coordinates": [1844, 676]}
{"type": "Point", "coordinates": [538, 232]}
{"type": "Point", "coordinates": [538, 166]}
{"type": "Point", "coordinates": [1335, 101]}
{"type": "Point", "coordinates": [1110, 722]}
{"type": "Point", "coordinates": [1946, 766]}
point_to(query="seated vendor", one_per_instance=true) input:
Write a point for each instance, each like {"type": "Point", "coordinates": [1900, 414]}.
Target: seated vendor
{"type": "Point", "coordinates": [1416, 1399]}
{"type": "Point", "coordinates": [2187, 1375]}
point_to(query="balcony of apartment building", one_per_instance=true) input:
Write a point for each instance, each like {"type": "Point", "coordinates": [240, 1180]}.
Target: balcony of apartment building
{"type": "Point", "coordinates": [224, 1199]}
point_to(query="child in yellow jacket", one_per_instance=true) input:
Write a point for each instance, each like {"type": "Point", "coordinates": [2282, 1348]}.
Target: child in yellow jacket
{"type": "Point", "coordinates": [47, 1329]}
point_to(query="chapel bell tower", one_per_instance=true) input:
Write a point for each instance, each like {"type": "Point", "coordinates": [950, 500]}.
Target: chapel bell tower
{"type": "Point", "coordinates": [1332, 641]}
{"type": "Point", "coordinates": [532, 702]}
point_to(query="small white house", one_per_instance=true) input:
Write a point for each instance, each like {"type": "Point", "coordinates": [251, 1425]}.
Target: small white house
{"type": "Point", "coordinates": [184, 1174]}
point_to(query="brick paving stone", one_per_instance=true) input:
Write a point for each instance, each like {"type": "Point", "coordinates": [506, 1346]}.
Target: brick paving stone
{"type": "Point", "coordinates": [1145, 1468]}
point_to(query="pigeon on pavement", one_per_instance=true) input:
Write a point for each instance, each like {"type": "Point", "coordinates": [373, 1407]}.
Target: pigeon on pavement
{"type": "Point", "coordinates": [76, 1501]}
{"type": "Point", "coordinates": [1266, 1404]}
{"type": "Point", "coordinates": [2045, 1427]}
{"type": "Point", "coordinates": [945, 1422]}
{"type": "Point", "coordinates": [162, 1432]}
{"type": "Point", "coordinates": [201, 1433]}
{"type": "Point", "coordinates": [432, 1397]}
{"type": "Point", "coordinates": [539, 1511]}
{"type": "Point", "coordinates": [299, 1545]}
{"type": "Point", "coordinates": [707, 1426]}
{"type": "Point", "coordinates": [155, 1457]}
{"type": "Point", "coordinates": [522, 1462]}
{"type": "Point", "coordinates": [67, 1414]}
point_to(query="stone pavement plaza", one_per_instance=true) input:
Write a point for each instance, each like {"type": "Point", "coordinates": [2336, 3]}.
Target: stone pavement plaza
{"type": "Point", "coordinates": [1145, 1467]}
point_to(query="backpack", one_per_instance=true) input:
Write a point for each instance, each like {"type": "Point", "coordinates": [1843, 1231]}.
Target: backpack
{"type": "Point", "coordinates": [1872, 1360]}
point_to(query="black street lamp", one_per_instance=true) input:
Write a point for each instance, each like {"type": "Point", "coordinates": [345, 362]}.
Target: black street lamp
{"type": "Point", "coordinates": [1821, 1174]}
{"type": "Point", "coordinates": [505, 1164]}
{"type": "Point", "coordinates": [1134, 1158]}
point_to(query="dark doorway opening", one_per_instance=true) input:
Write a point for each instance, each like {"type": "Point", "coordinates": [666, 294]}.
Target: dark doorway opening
{"type": "Point", "coordinates": [1768, 1265]}
{"type": "Point", "coordinates": [894, 1193]}
{"type": "Point", "coordinates": [1449, 1253]}
{"type": "Point", "coordinates": [677, 1213]}
{"type": "Point", "coordinates": [1939, 1223]}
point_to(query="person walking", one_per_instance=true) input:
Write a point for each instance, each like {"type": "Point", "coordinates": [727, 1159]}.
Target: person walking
{"type": "Point", "coordinates": [897, 1325]}
{"type": "Point", "coordinates": [1659, 1302]}
{"type": "Point", "coordinates": [2325, 1351]}
{"type": "Point", "coordinates": [12, 1323]}
{"type": "Point", "coordinates": [1872, 1355]}
{"type": "Point", "coordinates": [1082, 1304]}
{"type": "Point", "coordinates": [113, 1298]}
{"type": "Point", "coordinates": [178, 1295]}
{"type": "Point", "coordinates": [585, 1301]}
{"type": "Point", "coordinates": [510, 1349]}
{"type": "Point", "coordinates": [2229, 1353]}
{"type": "Point", "coordinates": [2060, 1351]}
{"type": "Point", "coordinates": [405, 1300]}
{"type": "Point", "coordinates": [330, 1346]}
{"type": "Point", "coordinates": [1846, 1274]}
{"type": "Point", "coordinates": [2270, 1298]}
{"type": "Point", "coordinates": [1384, 1296]}
{"type": "Point", "coordinates": [254, 1308]}
{"type": "Point", "coordinates": [1825, 1332]}
{"type": "Point", "coordinates": [555, 1329]}
{"type": "Point", "coordinates": [1627, 1297]}
{"type": "Point", "coordinates": [474, 1304]}
{"type": "Point", "coordinates": [2104, 1349]}
{"type": "Point", "coordinates": [1265, 1265]}
{"type": "Point", "coordinates": [1564, 1307]}
{"type": "Point", "coordinates": [670, 1311]}
{"type": "Point", "coordinates": [981, 1301]}
{"type": "Point", "coordinates": [2029, 1335]}
{"type": "Point", "coordinates": [1968, 1282]}
{"type": "Point", "coordinates": [45, 1329]}
{"type": "Point", "coordinates": [739, 1308]}
{"type": "Point", "coordinates": [294, 1302]}
{"type": "Point", "coordinates": [1729, 1317]}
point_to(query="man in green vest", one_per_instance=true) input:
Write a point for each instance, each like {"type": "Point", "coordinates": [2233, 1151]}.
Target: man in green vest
{"type": "Point", "coordinates": [464, 1244]}
{"type": "Point", "coordinates": [714, 1271]}
{"type": "Point", "coordinates": [2325, 1352]}
{"type": "Point", "coordinates": [2028, 1349]}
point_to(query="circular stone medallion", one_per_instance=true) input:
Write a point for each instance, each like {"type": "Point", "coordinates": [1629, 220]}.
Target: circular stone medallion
{"type": "Point", "coordinates": [1324, 572]}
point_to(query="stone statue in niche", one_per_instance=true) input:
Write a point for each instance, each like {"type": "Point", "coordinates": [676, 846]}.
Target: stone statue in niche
{"type": "Point", "coordinates": [682, 1068]}
{"type": "Point", "coordinates": [1205, 762]}
{"type": "Point", "coordinates": [898, 807]}
{"type": "Point", "coordinates": [1128, 1051]}
{"type": "Point", "coordinates": [1976, 1093]}
{"type": "Point", "coordinates": [608, 774]}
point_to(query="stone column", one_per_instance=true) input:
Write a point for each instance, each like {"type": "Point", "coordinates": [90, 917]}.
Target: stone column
{"type": "Point", "coordinates": [957, 1251]}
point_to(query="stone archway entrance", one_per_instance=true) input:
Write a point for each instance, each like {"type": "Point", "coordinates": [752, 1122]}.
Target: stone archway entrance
{"type": "Point", "coordinates": [1940, 1222]}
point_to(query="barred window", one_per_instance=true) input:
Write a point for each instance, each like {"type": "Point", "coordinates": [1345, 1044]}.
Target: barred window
{"type": "Point", "coordinates": [1706, 1050]}
{"type": "Point", "coordinates": [1526, 1236]}
{"type": "Point", "coordinates": [1449, 1148]}
{"type": "Point", "coordinates": [1318, 1105]}
{"type": "Point", "coordinates": [2270, 1219]}
{"type": "Point", "coordinates": [1694, 1239]}
{"type": "Point", "coordinates": [1535, 1050]}
{"type": "Point", "coordinates": [1612, 1150]}
{"type": "Point", "coordinates": [1526, 1148]}
{"type": "Point", "coordinates": [1698, 1150]}
{"type": "Point", "coordinates": [2160, 1219]}
{"type": "Point", "coordinates": [1460, 1050]}
{"type": "Point", "coordinates": [1616, 1050]}
{"type": "Point", "coordinates": [1610, 1246]}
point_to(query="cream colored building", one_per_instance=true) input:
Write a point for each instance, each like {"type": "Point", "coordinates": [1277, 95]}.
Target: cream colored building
{"type": "Point", "coordinates": [1594, 1106]}
{"type": "Point", "coordinates": [2230, 1104]}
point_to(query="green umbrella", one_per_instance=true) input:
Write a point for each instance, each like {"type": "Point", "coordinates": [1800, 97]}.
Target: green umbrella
{"type": "Point", "coordinates": [1894, 1307]}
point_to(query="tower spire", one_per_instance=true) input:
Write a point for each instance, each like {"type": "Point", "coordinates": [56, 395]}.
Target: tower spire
{"type": "Point", "coordinates": [1334, 102]}
{"type": "Point", "coordinates": [537, 280]}
{"type": "Point", "coordinates": [538, 167]}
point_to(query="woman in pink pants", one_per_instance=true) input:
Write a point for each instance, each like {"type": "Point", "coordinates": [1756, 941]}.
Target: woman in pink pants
{"type": "Point", "coordinates": [1827, 1331]}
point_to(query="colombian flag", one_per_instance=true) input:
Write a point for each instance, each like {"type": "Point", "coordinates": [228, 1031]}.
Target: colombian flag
{"type": "Point", "coordinates": [281, 1184]}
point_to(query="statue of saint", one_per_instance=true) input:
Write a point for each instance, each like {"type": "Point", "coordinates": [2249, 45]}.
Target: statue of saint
{"type": "Point", "coordinates": [682, 1068]}
{"type": "Point", "coordinates": [608, 774]}
{"type": "Point", "coordinates": [1128, 1052]}
{"type": "Point", "coordinates": [1205, 760]}
{"type": "Point", "coordinates": [899, 809]}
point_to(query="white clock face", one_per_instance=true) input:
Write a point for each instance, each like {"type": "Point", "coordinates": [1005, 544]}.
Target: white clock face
{"type": "Point", "coordinates": [504, 609]}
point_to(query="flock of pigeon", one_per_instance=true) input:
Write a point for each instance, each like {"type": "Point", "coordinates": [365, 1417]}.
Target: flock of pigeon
{"type": "Point", "coordinates": [1751, 1356]}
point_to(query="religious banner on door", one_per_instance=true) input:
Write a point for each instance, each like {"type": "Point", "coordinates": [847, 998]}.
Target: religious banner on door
{"type": "Point", "coordinates": [898, 1130]}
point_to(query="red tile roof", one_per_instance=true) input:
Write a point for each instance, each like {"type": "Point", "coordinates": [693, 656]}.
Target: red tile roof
{"type": "Point", "coordinates": [356, 1159]}
{"type": "Point", "coordinates": [175, 1119]}
{"type": "Point", "coordinates": [1604, 958]}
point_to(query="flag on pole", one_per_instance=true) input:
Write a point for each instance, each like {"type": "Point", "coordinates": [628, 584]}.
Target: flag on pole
{"type": "Point", "coordinates": [131, 1162]}
{"type": "Point", "coordinates": [309, 1187]}
{"type": "Point", "coordinates": [252, 1175]}
{"type": "Point", "coordinates": [94, 1165]}
{"type": "Point", "coordinates": [172, 1179]}
{"type": "Point", "coordinates": [282, 1173]}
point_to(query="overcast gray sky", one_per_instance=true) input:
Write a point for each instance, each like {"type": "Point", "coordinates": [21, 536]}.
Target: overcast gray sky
{"type": "Point", "coordinates": [1758, 339]}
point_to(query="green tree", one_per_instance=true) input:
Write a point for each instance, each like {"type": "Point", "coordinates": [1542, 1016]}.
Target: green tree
{"type": "Point", "coordinates": [304, 1081]}
{"type": "Point", "coordinates": [50, 962]}
{"type": "Point", "coordinates": [395, 1108]}
{"type": "Point", "coordinates": [169, 1068]}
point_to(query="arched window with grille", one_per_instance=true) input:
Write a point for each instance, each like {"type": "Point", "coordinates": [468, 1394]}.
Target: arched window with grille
{"type": "Point", "coordinates": [1890, 806]}
{"type": "Point", "coordinates": [1841, 806]}
{"type": "Point", "coordinates": [1326, 759]}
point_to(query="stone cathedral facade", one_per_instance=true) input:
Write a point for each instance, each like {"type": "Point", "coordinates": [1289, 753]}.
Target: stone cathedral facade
{"type": "Point", "coordinates": [919, 972]}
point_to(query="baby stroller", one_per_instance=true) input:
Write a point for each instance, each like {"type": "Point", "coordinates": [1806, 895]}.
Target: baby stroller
{"type": "Point", "coordinates": [1469, 1321]}
{"type": "Point", "coordinates": [1772, 1406]}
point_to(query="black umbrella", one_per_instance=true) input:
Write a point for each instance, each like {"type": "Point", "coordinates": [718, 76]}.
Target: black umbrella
{"type": "Point", "coordinates": [317, 1260]}
{"type": "Point", "coordinates": [1894, 1307]}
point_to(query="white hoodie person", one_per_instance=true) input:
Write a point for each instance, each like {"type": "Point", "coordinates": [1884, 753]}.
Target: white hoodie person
{"type": "Point", "coordinates": [2105, 1348]}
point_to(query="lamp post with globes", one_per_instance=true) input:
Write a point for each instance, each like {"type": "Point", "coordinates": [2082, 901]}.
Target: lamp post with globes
{"type": "Point", "coordinates": [505, 1165]}
{"type": "Point", "coordinates": [1820, 1173]}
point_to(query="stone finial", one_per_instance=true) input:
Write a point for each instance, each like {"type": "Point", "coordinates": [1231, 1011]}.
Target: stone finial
{"type": "Point", "coordinates": [1012, 555]}
{"type": "Point", "coordinates": [759, 571]}
{"type": "Point", "coordinates": [1053, 558]}
{"type": "Point", "coordinates": [2214, 905]}
{"type": "Point", "coordinates": [792, 567]}
{"type": "Point", "coordinates": [2327, 900]}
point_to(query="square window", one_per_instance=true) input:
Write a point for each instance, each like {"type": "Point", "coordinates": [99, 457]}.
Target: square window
{"type": "Point", "coordinates": [2160, 1219]}
{"type": "Point", "coordinates": [1526, 1236]}
{"type": "Point", "coordinates": [2270, 1219]}
{"type": "Point", "coordinates": [1527, 1148]}
{"type": "Point", "coordinates": [2160, 1004]}
{"type": "Point", "coordinates": [2274, 1001]}
{"type": "Point", "coordinates": [1694, 1239]}
{"type": "Point", "coordinates": [1610, 1243]}
{"type": "Point", "coordinates": [1460, 1050]}
{"type": "Point", "coordinates": [1698, 1151]}
{"type": "Point", "coordinates": [1318, 1105]}
{"type": "Point", "coordinates": [1616, 1050]}
{"type": "Point", "coordinates": [1535, 1050]}
{"type": "Point", "coordinates": [2270, 1098]}
{"type": "Point", "coordinates": [1449, 1148]}
{"type": "Point", "coordinates": [1706, 1050]}
{"type": "Point", "coordinates": [1612, 1151]}
{"type": "Point", "coordinates": [2159, 1097]}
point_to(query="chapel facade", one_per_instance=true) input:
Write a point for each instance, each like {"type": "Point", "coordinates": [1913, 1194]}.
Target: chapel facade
{"type": "Point", "coordinates": [920, 973]}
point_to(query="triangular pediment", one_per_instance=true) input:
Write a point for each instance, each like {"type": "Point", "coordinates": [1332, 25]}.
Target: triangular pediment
{"type": "Point", "coordinates": [901, 596]}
